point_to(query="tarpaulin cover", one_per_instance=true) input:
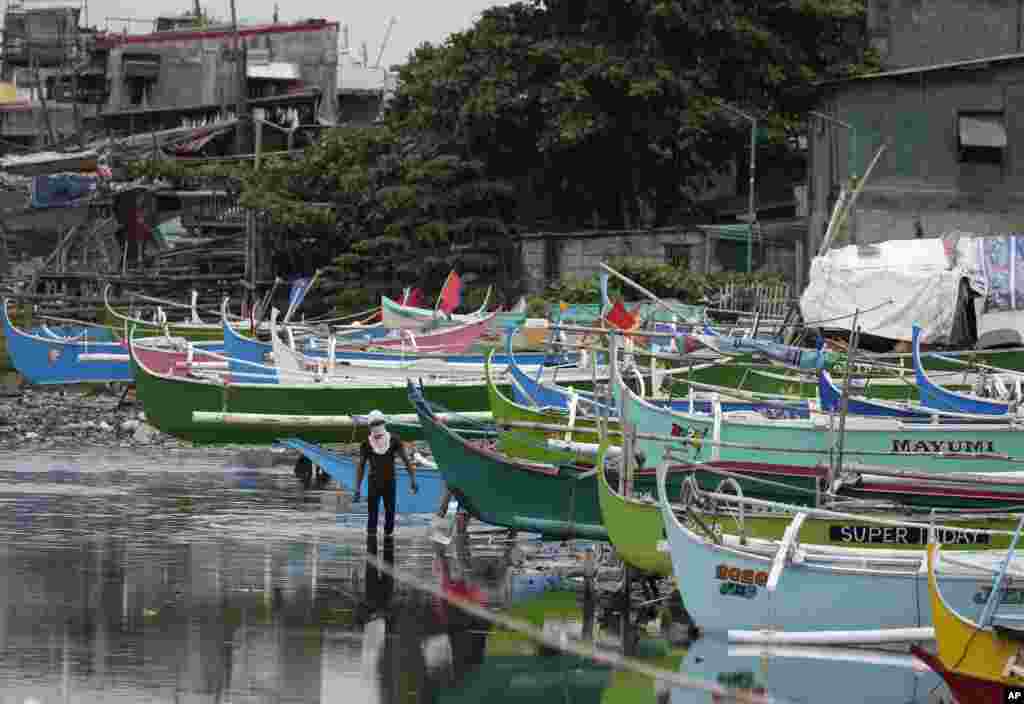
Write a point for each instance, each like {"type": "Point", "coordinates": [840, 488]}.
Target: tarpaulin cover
{"type": "Point", "coordinates": [894, 284]}
{"type": "Point", "coordinates": [61, 190]}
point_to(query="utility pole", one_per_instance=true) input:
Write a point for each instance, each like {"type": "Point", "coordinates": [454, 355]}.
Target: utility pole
{"type": "Point", "coordinates": [751, 207]}
{"type": "Point", "coordinates": [241, 100]}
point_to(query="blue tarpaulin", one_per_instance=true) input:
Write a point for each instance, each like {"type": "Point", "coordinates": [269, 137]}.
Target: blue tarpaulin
{"type": "Point", "coordinates": [62, 190]}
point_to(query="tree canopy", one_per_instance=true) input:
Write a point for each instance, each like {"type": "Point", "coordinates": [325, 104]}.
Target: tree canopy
{"type": "Point", "coordinates": [560, 114]}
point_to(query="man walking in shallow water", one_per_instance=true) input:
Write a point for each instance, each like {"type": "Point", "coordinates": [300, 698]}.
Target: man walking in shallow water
{"type": "Point", "coordinates": [379, 450]}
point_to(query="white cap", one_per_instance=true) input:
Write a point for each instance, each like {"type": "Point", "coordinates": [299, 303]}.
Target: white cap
{"type": "Point", "coordinates": [375, 417]}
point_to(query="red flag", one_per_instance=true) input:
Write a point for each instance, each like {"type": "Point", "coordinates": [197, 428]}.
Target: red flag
{"type": "Point", "coordinates": [415, 299]}
{"type": "Point", "coordinates": [451, 294]}
{"type": "Point", "coordinates": [622, 318]}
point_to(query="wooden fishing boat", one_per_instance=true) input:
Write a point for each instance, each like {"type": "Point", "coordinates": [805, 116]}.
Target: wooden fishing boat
{"type": "Point", "coordinates": [978, 657]}
{"type": "Point", "coordinates": [187, 330]}
{"type": "Point", "coordinates": [785, 355]}
{"type": "Point", "coordinates": [396, 316]}
{"type": "Point", "coordinates": [892, 442]}
{"type": "Point", "coordinates": [45, 359]}
{"type": "Point", "coordinates": [171, 400]}
{"type": "Point", "coordinates": [48, 358]}
{"type": "Point", "coordinates": [411, 362]}
{"type": "Point", "coordinates": [176, 357]}
{"type": "Point", "coordinates": [343, 470]}
{"type": "Point", "coordinates": [830, 401]}
{"type": "Point", "coordinates": [635, 527]}
{"type": "Point", "coordinates": [531, 392]}
{"type": "Point", "coordinates": [786, 585]}
{"type": "Point", "coordinates": [246, 349]}
{"type": "Point", "coordinates": [934, 396]}
{"type": "Point", "coordinates": [554, 501]}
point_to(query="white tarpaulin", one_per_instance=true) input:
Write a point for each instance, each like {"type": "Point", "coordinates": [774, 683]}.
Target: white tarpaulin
{"type": "Point", "coordinates": [894, 284]}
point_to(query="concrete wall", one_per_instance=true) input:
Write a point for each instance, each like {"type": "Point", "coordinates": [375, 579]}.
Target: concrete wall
{"type": "Point", "coordinates": [923, 32]}
{"type": "Point", "coordinates": [580, 255]}
{"type": "Point", "coordinates": [194, 69]}
{"type": "Point", "coordinates": [919, 186]}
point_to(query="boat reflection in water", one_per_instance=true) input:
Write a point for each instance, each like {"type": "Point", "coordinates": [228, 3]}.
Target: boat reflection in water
{"type": "Point", "coordinates": [837, 675]}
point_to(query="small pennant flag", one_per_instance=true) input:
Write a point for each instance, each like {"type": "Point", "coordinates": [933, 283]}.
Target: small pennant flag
{"type": "Point", "coordinates": [415, 299]}
{"type": "Point", "coordinates": [622, 318]}
{"type": "Point", "coordinates": [451, 294]}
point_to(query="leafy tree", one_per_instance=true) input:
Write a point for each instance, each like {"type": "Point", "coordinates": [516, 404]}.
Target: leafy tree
{"type": "Point", "coordinates": [554, 113]}
{"type": "Point", "coordinates": [594, 107]}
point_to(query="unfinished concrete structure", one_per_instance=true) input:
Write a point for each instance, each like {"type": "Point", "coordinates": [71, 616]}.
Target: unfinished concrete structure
{"type": "Point", "coordinates": [161, 78]}
{"type": "Point", "coordinates": [59, 78]}
{"type": "Point", "coordinates": [955, 154]}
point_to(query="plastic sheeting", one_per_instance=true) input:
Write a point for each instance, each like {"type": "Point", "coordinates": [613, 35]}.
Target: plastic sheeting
{"type": "Point", "coordinates": [894, 284]}
{"type": "Point", "coordinates": [62, 190]}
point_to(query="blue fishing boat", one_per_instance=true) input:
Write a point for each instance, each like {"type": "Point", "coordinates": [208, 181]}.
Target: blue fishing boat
{"type": "Point", "coordinates": [785, 355]}
{"type": "Point", "coordinates": [934, 396]}
{"type": "Point", "coordinates": [528, 391]}
{"type": "Point", "coordinates": [81, 333]}
{"type": "Point", "coordinates": [786, 585]}
{"type": "Point", "coordinates": [51, 359]}
{"type": "Point", "coordinates": [343, 470]}
{"type": "Point", "coordinates": [830, 400]}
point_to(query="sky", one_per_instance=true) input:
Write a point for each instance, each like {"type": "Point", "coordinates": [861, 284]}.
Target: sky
{"type": "Point", "coordinates": [417, 22]}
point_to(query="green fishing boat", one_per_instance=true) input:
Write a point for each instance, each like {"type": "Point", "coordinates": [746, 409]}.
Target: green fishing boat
{"type": "Point", "coordinates": [170, 400]}
{"type": "Point", "coordinates": [197, 332]}
{"type": "Point", "coordinates": [748, 375]}
{"type": "Point", "coordinates": [891, 442]}
{"type": "Point", "coordinates": [532, 444]}
{"type": "Point", "coordinates": [555, 500]}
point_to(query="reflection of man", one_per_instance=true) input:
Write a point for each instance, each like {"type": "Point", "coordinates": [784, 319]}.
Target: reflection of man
{"type": "Point", "coordinates": [379, 450]}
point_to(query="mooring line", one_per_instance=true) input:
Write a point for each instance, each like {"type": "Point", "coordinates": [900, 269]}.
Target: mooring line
{"type": "Point", "coordinates": [567, 645]}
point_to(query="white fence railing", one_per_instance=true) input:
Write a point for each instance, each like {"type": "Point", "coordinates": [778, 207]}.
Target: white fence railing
{"type": "Point", "coordinates": [770, 300]}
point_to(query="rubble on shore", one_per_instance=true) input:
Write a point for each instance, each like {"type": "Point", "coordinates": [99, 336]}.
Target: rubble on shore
{"type": "Point", "coordinates": [72, 418]}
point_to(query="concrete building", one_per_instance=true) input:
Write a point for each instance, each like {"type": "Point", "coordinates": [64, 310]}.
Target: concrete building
{"type": "Point", "coordinates": [955, 154]}
{"type": "Point", "coordinates": [923, 32]}
{"type": "Point", "coordinates": [195, 70]}
{"type": "Point", "coordinates": [57, 76]}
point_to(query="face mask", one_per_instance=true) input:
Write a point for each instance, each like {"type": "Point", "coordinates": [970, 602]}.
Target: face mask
{"type": "Point", "coordinates": [380, 439]}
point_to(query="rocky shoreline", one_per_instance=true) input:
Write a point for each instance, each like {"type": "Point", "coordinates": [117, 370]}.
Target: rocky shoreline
{"type": "Point", "coordinates": [42, 418]}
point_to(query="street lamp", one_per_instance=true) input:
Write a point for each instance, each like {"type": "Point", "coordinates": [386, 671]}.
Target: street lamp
{"type": "Point", "coordinates": [751, 210]}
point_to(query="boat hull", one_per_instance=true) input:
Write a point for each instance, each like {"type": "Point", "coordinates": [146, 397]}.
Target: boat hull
{"type": "Point", "coordinates": [809, 443]}
{"type": "Point", "coordinates": [811, 596]}
{"type": "Point", "coordinates": [635, 528]}
{"type": "Point", "coordinates": [50, 361]}
{"type": "Point", "coordinates": [170, 402]}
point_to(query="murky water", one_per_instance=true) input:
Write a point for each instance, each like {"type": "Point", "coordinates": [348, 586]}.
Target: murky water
{"type": "Point", "coordinates": [128, 576]}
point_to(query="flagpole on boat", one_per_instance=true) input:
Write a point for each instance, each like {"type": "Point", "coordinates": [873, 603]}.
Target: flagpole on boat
{"type": "Point", "coordinates": [844, 403]}
{"type": "Point", "coordinates": [293, 308]}
{"type": "Point", "coordinates": [437, 304]}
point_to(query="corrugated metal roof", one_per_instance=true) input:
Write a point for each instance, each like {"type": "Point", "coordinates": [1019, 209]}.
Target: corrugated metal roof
{"type": "Point", "coordinates": [968, 64]}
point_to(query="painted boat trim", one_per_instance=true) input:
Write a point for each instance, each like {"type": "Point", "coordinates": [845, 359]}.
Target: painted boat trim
{"type": "Point", "coordinates": [934, 396]}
